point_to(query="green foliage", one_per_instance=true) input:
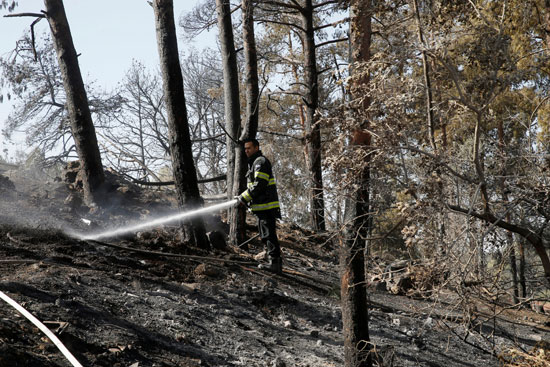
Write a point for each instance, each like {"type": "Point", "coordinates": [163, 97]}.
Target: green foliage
{"type": "Point", "coordinates": [488, 68]}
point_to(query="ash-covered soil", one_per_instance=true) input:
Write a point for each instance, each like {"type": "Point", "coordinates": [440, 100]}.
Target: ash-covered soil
{"type": "Point", "coordinates": [112, 306]}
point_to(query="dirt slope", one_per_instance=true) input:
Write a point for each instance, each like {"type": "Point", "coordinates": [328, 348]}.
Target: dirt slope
{"type": "Point", "coordinates": [115, 307]}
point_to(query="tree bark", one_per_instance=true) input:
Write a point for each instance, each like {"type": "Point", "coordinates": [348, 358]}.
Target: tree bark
{"type": "Point", "coordinates": [183, 166]}
{"type": "Point", "coordinates": [312, 128]}
{"type": "Point", "coordinates": [427, 80]}
{"type": "Point", "coordinates": [506, 201]}
{"type": "Point", "coordinates": [547, 41]}
{"type": "Point", "coordinates": [230, 87]}
{"type": "Point", "coordinates": [251, 71]}
{"type": "Point", "coordinates": [357, 218]}
{"type": "Point", "coordinates": [82, 127]}
{"type": "Point", "coordinates": [238, 216]}
{"type": "Point", "coordinates": [236, 165]}
{"type": "Point", "coordinates": [522, 282]}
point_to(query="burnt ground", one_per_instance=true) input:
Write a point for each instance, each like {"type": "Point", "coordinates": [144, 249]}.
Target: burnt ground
{"type": "Point", "coordinates": [112, 306]}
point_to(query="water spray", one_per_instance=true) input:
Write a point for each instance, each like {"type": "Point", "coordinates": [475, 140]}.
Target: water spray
{"type": "Point", "coordinates": [155, 222]}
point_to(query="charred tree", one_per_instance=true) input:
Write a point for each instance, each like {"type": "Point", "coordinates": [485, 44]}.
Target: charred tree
{"type": "Point", "coordinates": [183, 166]}
{"type": "Point", "coordinates": [312, 128]}
{"type": "Point", "coordinates": [509, 235]}
{"type": "Point", "coordinates": [357, 217]}
{"type": "Point", "coordinates": [252, 92]}
{"type": "Point", "coordinates": [235, 159]}
{"type": "Point", "coordinates": [230, 87]}
{"type": "Point", "coordinates": [250, 129]}
{"type": "Point", "coordinates": [82, 127]}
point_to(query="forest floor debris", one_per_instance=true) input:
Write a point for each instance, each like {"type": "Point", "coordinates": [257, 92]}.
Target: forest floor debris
{"type": "Point", "coordinates": [117, 307]}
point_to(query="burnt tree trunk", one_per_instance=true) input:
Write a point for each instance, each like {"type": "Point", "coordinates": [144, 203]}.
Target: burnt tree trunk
{"type": "Point", "coordinates": [251, 72]}
{"type": "Point", "coordinates": [427, 80]}
{"type": "Point", "coordinates": [250, 129]}
{"type": "Point", "coordinates": [509, 235]}
{"type": "Point", "coordinates": [547, 42]}
{"type": "Point", "coordinates": [235, 161]}
{"type": "Point", "coordinates": [522, 281]}
{"type": "Point", "coordinates": [230, 87]}
{"type": "Point", "coordinates": [183, 166]}
{"type": "Point", "coordinates": [312, 128]}
{"type": "Point", "coordinates": [82, 126]}
{"type": "Point", "coordinates": [354, 242]}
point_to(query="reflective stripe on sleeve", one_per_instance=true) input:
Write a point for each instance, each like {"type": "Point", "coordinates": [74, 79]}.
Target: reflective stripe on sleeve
{"type": "Point", "coordinates": [246, 196]}
{"type": "Point", "coordinates": [265, 176]}
{"type": "Point", "coordinates": [267, 206]}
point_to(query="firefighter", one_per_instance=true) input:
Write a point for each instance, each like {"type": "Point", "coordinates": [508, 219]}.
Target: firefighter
{"type": "Point", "coordinates": [261, 197]}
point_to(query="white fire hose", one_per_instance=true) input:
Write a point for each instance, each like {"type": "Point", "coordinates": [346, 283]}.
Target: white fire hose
{"type": "Point", "coordinates": [43, 328]}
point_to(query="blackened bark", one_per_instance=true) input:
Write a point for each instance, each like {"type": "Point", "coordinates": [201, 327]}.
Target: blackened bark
{"type": "Point", "coordinates": [513, 266]}
{"type": "Point", "coordinates": [427, 81]}
{"type": "Point", "coordinates": [547, 41]}
{"type": "Point", "coordinates": [82, 126]}
{"type": "Point", "coordinates": [312, 128]}
{"type": "Point", "coordinates": [354, 242]}
{"type": "Point", "coordinates": [509, 236]}
{"type": "Point", "coordinates": [522, 282]}
{"type": "Point", "coordinates": [237, 224]}
{"type": "Point", "coordinates": [250, 129]}
{"type": "Point", "coordinates": [230, 87]}
{"type": "Point", "coordinates": [251, 71]}
{"type": "Point", "coordinates": [235, 154]}
{"type": "Point", "coordinates": [183, 166]}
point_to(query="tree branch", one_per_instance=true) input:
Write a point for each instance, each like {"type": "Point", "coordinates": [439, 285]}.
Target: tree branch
{"type": "Point", "coordinates": [38, 15]}
{"type": "Point", "coordinates": [168, 183]}
{"type": "Point", "coordinates": [436, 158]}
{"type": "Point", "coordinates": [281, 134]}
{"type": "Point", "coordinates": [331, 41]}
{"type": "Point", "coordinates": [490, 218]}
{"type": "Point", "coordinates": [331, 24]}
{"type": "Point", "coordinates": [526, 233]}
{"type": "Point", "coordinates": [280, 23]}
{"type": "Point", "coordinates": [296, 6]}
{"type": "Point", "coordinates": [325, 3]}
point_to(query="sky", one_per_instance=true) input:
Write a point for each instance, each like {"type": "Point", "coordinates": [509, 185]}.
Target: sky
{"type": "Point", "coordinates": [108, 34]}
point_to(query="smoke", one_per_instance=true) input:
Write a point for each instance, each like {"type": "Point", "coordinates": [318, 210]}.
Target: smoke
{"type": "Point", "coordinates": [29, 198]}
{"type": "Point", "coordinates": [34, 198]}
{"type": "Point", "coordinates": [149, 224]}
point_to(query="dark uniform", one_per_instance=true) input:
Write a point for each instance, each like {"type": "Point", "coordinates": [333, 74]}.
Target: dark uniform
{"type": "Point", "coordinates": [261, 196]}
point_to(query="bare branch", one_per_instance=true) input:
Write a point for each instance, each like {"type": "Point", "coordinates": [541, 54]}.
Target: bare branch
{"type": "Point", "coordinates": [280, 23]}
{"type": "Point", "coordinates": [331, 24]}
{"type": "Point", "coordinates": [438, 160]}
{"type": "Point", "coordinates": [331, 41]}
{"type": "Point", "coordinates": [300, 138]}
{"type": "Point", "coordinates": [329, 2]}
{"type": "Point", "coordinates": [296, 6]}
{"type": "Point", "coordinates": [168, 183]}
{"type": "Point", "coordinates": [38, 15]}
{"type": "Point", "coordinates": [499, 222]}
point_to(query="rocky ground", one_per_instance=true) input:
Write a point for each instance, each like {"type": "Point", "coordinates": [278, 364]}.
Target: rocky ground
{"type": "Point", "coordinates": [113, 306]}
